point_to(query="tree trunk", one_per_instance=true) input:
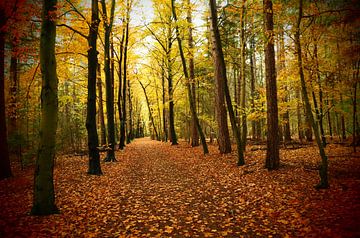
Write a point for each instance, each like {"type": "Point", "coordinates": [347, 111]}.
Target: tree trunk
{"type": "Point", "coordinates": [123, 106]}
{"type": "Point", "coordinates": [129, 136]}
{"type": "Point", "coordinates": [101, 107]}
{"type": "Point", "coordinates": [194, 130]}
{"type": "Point", "coordinates": [44, 194]}
{"type": "Point", "coordinates": [165, 134]}
{"type": "Point", "coordinates": [119, 102]}
{"type": "Point", "coordinates": [309, 116]}
{"type": "Point", "coordinates": [252, 86]}
{"type": "Point", "coordinates": [272, 153]}
{"type": "Point", "coordinates": [243, 78]}
{"type": "Point", "coordinates": [93, 140]}
{"type": "Point", "coordinates": [220, 106]}
{"type": "Point", "coordinates": [109, 87]}
{"type": "Point", "coordinates": [220, 75]}
{"type": "Point", "coordinates": [172, 131]}
{"type": "Point", "coordinates": [5, 168]}
{"type": "Point", "coordinates": [190, 93]}
{"type": "Point", "coordinates": [149, 109]}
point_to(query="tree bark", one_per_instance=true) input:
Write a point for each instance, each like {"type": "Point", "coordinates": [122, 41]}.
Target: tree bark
{"type": "Point", "coordinates": [93, 140]}
{"type": "Point", "coordinates": [44, 194]}
{"type": "Point", "coordinates": [220, 75]}
{"type": "Point", "coordinates": [5, 168]}
{"type": "Point", "coordinates": [124, 84]}
{"type": "Point", "coordinates": [109, 87]}
{"type": "Point", "coordinates": [220, 104]}
{"type": "Point", "coordinates": [272, 153]}
{"type": "Point", "coordinates": [194, 130]}
{"type": "Point", "coordinates": [119, 102]}
{"type": "Point", "coordinates": [101, 108]}
{"type": "Point", "coordinates": [309, 116]}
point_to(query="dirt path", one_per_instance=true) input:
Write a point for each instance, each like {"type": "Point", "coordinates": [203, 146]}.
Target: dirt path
{"type": "Point", "coordinates": [158, 190]}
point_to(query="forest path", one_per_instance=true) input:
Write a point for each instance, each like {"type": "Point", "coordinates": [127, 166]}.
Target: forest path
{"type": "Point", "coordinates": [159, 190]}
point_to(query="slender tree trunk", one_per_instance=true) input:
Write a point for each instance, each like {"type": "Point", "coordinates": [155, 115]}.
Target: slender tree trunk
{"type": "Point", "coordinates": [172, 132]}
{"type": "Point", "coordinates": [165, 134]}
{"type": "Point", "coordinates": [220, 75]}
{"type": "Point", "coordinates": [252, 86]}
{"type": "Point", "coordinates": [355, 133]}
{"type": "Point", "coordinates": [272, 153]}
{"type": "Point", "coordinates": [108, 23]}
{"type": "Point", "coordinates": [187, 77]}
{"type": "Point", "coordinates": [129, 136]}
{"type": "Point", "coordinates": [192, 80]}
{"type": "Point", "coordinates": [149, 109]}
{"type": "Point", "coordinates": [101, 108]}
{"type": "Point", "coordinates": [5, 168]}
{"type": "Point", "coordinates": [123, 106]}
{"type": "Point", "coordinates": [44, 194]}
{"type": "Point", "coordinates": [93, 140]}
{"type": "Point", "coordinates": [119, 102]}
{"type": "Point", "coordinates": [309, 116]}
{"type": "Point", "coordinates": [243, 78]}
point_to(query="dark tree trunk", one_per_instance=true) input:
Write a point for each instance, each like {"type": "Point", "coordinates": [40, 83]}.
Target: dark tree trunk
{"type": "Point", "coordinates": [5, 168]}
{"type": "Point", "coordinates": [123, 106]}
{"type": "Point", "coordinates": [309, 116]}
{"type": "Point", "coordinates": [172, 132]}
{"type": "Point", "coordinates": [109, 87]}
{"type": "Point", "coordinates": [149, 109]}
{"type": "Point", "coordinates": [272, 153]}
{"type": "Point", "coordinates": [44, 194]}
{"type": "Point", "coordinates": [194, 130]}
{"type": "Point", "coordinates": [93, 140]}
{"type": "Point", "coordinates": [220, 75]}
{"type": "Point", "coordinates": [220, 106]}
{"type": "Point", "coordinates": [129, 133]}
{"type": "Point", "coordinates": [190, 93]}
{"type": "Point", "coordinates": [119, 102]}
{"type": "Point", "coordinates": [101, 107]}
{"type": "Point", "coordinates": [356, 139]}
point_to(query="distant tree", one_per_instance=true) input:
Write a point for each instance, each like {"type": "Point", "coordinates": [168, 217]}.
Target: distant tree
{"type": "Point", "coordinates": [44, 195]}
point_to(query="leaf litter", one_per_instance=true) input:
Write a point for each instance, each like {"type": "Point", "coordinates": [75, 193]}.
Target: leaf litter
{"type": "Point", "coordinates": [158, 190]}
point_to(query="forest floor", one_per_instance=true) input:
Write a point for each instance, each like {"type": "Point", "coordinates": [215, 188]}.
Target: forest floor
{"type": "Point", "coordinates": [159, 190]}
